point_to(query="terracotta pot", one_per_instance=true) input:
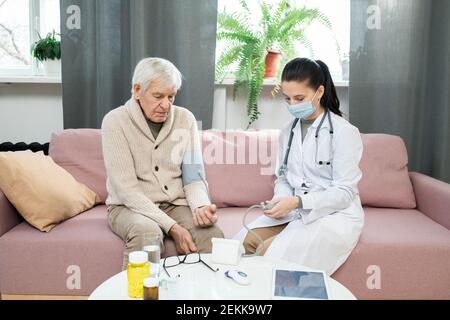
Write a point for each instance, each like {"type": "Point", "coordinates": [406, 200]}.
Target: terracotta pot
{"type": "Point", "coordinates": [272, 61]}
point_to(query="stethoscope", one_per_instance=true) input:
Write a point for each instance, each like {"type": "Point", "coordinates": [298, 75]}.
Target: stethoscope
{"type": "Point", "coordinates": [283, 168]}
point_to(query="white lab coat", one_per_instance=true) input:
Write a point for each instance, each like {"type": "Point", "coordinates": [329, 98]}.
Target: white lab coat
{"type": "Point", "coordinates": [323, 233]}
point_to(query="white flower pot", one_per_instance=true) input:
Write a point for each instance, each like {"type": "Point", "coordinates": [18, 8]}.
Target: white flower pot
{"type": "Point", "coordinates": [52, 67]}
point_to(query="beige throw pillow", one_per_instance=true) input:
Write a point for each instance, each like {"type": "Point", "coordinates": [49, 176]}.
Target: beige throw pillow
{"type": "Point", "coordinates": [42, 192]}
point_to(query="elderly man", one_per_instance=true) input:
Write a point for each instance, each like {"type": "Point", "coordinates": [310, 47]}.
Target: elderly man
{"type": "Point", "coordinates": [154, 165]}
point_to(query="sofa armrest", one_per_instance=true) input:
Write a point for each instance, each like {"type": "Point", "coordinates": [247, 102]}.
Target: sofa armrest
{"type": "Point", "coordinates": [432, 197]}
{"type": "Point", "coordinates": [9, 217]}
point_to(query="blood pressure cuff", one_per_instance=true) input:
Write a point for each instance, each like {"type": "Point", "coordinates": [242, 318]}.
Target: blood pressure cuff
{"type": "Point", "coordinates": [192, 167]}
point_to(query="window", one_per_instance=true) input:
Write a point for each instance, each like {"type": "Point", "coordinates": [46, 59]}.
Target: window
{"type": "Point", "coordinates": [21, 21]}
{"type": "Point", "coordinates": [331, 46]}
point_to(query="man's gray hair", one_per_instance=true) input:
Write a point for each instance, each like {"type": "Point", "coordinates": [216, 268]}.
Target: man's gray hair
{"type": "Point", "coordinates": [151, 69]}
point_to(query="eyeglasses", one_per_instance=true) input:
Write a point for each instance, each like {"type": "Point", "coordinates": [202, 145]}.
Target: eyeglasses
{"type": "Point", "coordinates": [191, 258]}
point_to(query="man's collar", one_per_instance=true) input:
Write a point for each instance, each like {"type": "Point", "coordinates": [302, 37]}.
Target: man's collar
{"type": "Point", "coordinates": [138, 117]}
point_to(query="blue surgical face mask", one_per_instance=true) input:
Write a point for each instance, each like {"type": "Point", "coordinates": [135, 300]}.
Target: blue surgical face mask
{"type": "Point", "coordinates": [302, 110]}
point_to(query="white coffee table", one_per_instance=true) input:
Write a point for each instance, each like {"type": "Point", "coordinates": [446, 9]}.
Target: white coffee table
{"type": "Point", "coordinates": [197, 282]}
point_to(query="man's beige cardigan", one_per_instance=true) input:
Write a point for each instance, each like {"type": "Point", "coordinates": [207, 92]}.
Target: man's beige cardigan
{"type": "Point", "coordinates": [142, 172]}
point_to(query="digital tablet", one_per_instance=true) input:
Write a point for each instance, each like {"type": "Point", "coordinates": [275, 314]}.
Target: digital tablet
{"type": "Point", "coordinates": [299, 284]}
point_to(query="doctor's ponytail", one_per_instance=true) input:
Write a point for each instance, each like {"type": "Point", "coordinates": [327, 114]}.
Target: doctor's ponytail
{"type": "Point", "coordinates": [317, 74]}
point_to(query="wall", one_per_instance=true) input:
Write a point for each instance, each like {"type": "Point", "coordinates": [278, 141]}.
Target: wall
{"type": "Point", "coordinates": [32, 112]}
{"type": "Point", "coordinates": [231, 114]}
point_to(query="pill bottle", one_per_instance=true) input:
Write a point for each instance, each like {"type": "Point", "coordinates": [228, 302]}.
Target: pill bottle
{"type": "Point", "coordinates": [151, 289]}
{"type": "Point", "coordinates": [137, 271]}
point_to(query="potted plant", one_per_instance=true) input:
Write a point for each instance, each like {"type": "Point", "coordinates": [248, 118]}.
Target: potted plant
{"type": "Point", "coordinates": [257, 49]}
{"type": "Point", "coordinates": [48, 51]}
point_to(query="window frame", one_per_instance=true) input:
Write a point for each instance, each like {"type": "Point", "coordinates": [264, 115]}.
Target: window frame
{"type": "Point", "coordinates": [336, 72]}
{"type": "Point", "coordinates": [34, 28]}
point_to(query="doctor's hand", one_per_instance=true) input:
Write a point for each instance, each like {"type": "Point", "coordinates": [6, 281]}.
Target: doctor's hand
{"type": "Point", "coordinates": [205, 216]}
{"type": "Point", "coordinates": [283, 206]}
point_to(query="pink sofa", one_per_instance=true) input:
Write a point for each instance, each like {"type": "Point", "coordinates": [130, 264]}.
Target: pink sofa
{"type": "Point", "coordinates": [405, 243]}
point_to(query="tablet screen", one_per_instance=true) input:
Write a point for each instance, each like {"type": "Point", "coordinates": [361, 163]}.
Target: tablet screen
{"type": "Point", "coordinates": [300, 284]}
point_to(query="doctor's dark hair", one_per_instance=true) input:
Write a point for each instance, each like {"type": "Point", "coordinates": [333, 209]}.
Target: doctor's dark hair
{"type": "Point", "coordinates": [317, 74]}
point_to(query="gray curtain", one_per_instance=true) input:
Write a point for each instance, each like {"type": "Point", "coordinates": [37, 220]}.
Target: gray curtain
{"type": "Point", "coordinates": [99, 58]}
{"type": "Point", "coordinates": [400, 77]}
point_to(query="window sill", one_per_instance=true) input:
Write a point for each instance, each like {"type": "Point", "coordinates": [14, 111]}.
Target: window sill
{"type": "Point", "coordinates": [272, 82]}
{"type": "Point", "coordinates": [30, 79]}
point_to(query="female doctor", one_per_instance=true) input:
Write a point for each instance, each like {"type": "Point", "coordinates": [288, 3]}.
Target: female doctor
{"type": "Point", "coordinates": [317, 217]}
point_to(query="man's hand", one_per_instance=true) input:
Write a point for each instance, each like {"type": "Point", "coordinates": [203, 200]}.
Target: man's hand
{"type": "Point", "coordinates": [205, 216]}
{"type": "Point", "coordinates": [183, 239]}
{"type": "Point", "coordinates": [283, 206]}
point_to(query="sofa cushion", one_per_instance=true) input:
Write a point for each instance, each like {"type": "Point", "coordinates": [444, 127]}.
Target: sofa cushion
{"type": "Point", "coordinates": [47, 260]}
{"type": "Point", "coordinates": [42, 192]}
{"type": "Point", "coordinates": [407, 250]}
{"type": "Point", "coordinates": [9, 217]}
{"type": "Point", "coordinates": [79, 151]}
{"type": "Point", "coordinates": [248, 177]}
{"type": "Point", "coordinates": [385, 181]}
{"type": "Point", "coordinates": [240, 166]}
{"type": "Point", "coordinates": [411, 251]}
{"type": "Point", "coordinates": [32, 262]}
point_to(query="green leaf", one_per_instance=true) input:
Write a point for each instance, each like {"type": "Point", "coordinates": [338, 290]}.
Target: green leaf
{"type": "Point", "coordinates": [246, 44]}
{"type": "Point", "coordinates": [227, 58]}
{"type": "Point", "coordinates": [47, 48]}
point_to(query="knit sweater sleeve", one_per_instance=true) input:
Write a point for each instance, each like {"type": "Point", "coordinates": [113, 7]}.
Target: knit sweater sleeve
{"type": "Point", "coordinates": [193, 171]}
{"type": "Point", "coordinates": [122, 177]}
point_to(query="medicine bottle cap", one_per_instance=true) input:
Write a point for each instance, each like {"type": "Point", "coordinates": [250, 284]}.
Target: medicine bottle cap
{"type": "Point", "coordinates": [138, 257]}
{"type": "Point", "coordinates": [151, 282]}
